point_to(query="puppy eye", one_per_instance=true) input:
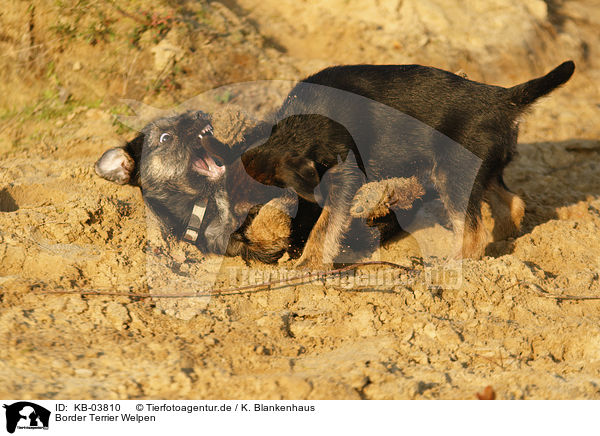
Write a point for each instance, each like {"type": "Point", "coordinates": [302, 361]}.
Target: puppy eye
{"type": "Point", "coordinates": [164, 138]}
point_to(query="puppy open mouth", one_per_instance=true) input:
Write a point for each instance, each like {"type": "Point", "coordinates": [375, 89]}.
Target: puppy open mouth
{"type": "Point", "coordinates": [203, 163]}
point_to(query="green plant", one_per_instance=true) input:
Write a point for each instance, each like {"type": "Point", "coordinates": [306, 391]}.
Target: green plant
{"type": "Point", "coordinates": [76, 14]}
{"type": "Point", "coordinates": [154, 22]}
{"type": "Point", "coordinates": [99, 30]}
{"type": "Point", "coordinates": [169, 84]}
{"type": "Point", "coordinates": [66, 30]}
{"type": "Point", "coordinates": [225, 97]}
{"type": "Point", "coordinates": [115, 111]}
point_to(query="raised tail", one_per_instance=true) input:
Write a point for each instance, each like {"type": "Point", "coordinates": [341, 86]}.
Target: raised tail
{"type": "Point", "coordinates": [526, 93]}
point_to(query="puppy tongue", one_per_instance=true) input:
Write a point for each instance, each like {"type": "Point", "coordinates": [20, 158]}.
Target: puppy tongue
{"type": "Point", "coordinates": [207, 167]}
{"type": "Point", "coordinates": [200, 164]}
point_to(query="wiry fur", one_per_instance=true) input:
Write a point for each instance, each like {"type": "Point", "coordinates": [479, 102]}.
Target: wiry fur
{"type": "Point", "coordinates": [163, 170]}
{"type": "Point", "coordinates": [171, 187]}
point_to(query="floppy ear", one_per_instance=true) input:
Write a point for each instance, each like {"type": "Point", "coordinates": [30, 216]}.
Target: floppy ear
{"type": "Point", "coordinates": [300, 174]}
{"type": "Point", "coordinates": [120, 164]}
{"type": "Point", "coordinates": [115, 165]}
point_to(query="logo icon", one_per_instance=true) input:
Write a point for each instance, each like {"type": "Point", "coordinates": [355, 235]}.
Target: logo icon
{"type": "Point", "coordinates": [26, 415]}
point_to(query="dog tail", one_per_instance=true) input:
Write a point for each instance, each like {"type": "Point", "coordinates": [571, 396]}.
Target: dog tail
{"type": "Point", "coordinates": [526, 93]}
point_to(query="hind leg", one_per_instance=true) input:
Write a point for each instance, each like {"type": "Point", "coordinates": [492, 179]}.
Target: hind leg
{"type": "Point", "coordinates": [464, 210]}
{"type": "Point", "coordinates": [508, 210]}
{"type": "Point", "coordinates": [475, 238]}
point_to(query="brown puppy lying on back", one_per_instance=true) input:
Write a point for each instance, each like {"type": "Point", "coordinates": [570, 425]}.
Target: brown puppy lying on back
{"type": "Point", "coordinates": [348, 125]}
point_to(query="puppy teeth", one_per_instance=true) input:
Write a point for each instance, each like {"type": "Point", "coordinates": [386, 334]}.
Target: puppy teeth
{"type": "Point", "coordinates": [207, 129]}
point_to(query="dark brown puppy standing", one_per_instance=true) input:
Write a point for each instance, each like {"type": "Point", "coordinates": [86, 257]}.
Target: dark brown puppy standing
{"type": "Point", "coordinates": [307, 150]}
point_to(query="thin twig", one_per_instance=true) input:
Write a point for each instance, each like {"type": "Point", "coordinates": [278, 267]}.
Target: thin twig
{"type": "Point", "coordinates": [236, 290]}
{"type": "Point", "coordinates": [546, 294]}
{"type": "Point", "coordinates": [490, 359]}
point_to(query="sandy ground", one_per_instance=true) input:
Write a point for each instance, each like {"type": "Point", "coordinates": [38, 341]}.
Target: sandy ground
{"type": "Point", "coordinates": [61, 227]}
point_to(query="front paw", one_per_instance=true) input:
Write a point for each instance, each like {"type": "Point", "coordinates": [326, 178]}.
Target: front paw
{"type": "Point", "coordinates": [267, 237]}
{"type": "Point", "coordinates": [270, 229]}
{"type": "Point", "coordinates": [375, 199]}
{"type": "Point", "coordinates": [240, 245]}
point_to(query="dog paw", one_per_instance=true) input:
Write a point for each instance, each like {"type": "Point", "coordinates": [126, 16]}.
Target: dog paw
{"type": "Point", "coordinates": [264, 238]}
{"type": "Point", "coordinates": [271, 226]}
{"type": "Point", "coordinates": [369, 201]}
{"type": "Point", "coordinates": [376, 199]}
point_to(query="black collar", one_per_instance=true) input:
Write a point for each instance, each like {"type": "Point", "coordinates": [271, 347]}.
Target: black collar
{"type": "Point", "coordinates": [192, 231]}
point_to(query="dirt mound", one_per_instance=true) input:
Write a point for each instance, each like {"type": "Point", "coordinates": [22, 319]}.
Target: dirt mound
{"type": "Point", "coordinates": [380, 333]}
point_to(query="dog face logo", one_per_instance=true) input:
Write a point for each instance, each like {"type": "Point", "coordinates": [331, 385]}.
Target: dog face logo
{"type": "Point", "coordinates": [26, 415]}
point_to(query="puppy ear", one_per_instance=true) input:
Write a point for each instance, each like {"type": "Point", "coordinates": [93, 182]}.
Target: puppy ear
{"type": "Point", "coordinates": [300, 174]}
{"type": "Point", "coordinates": [115, 165]}
{"type": "Point", "coordinates": [120, 164]}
